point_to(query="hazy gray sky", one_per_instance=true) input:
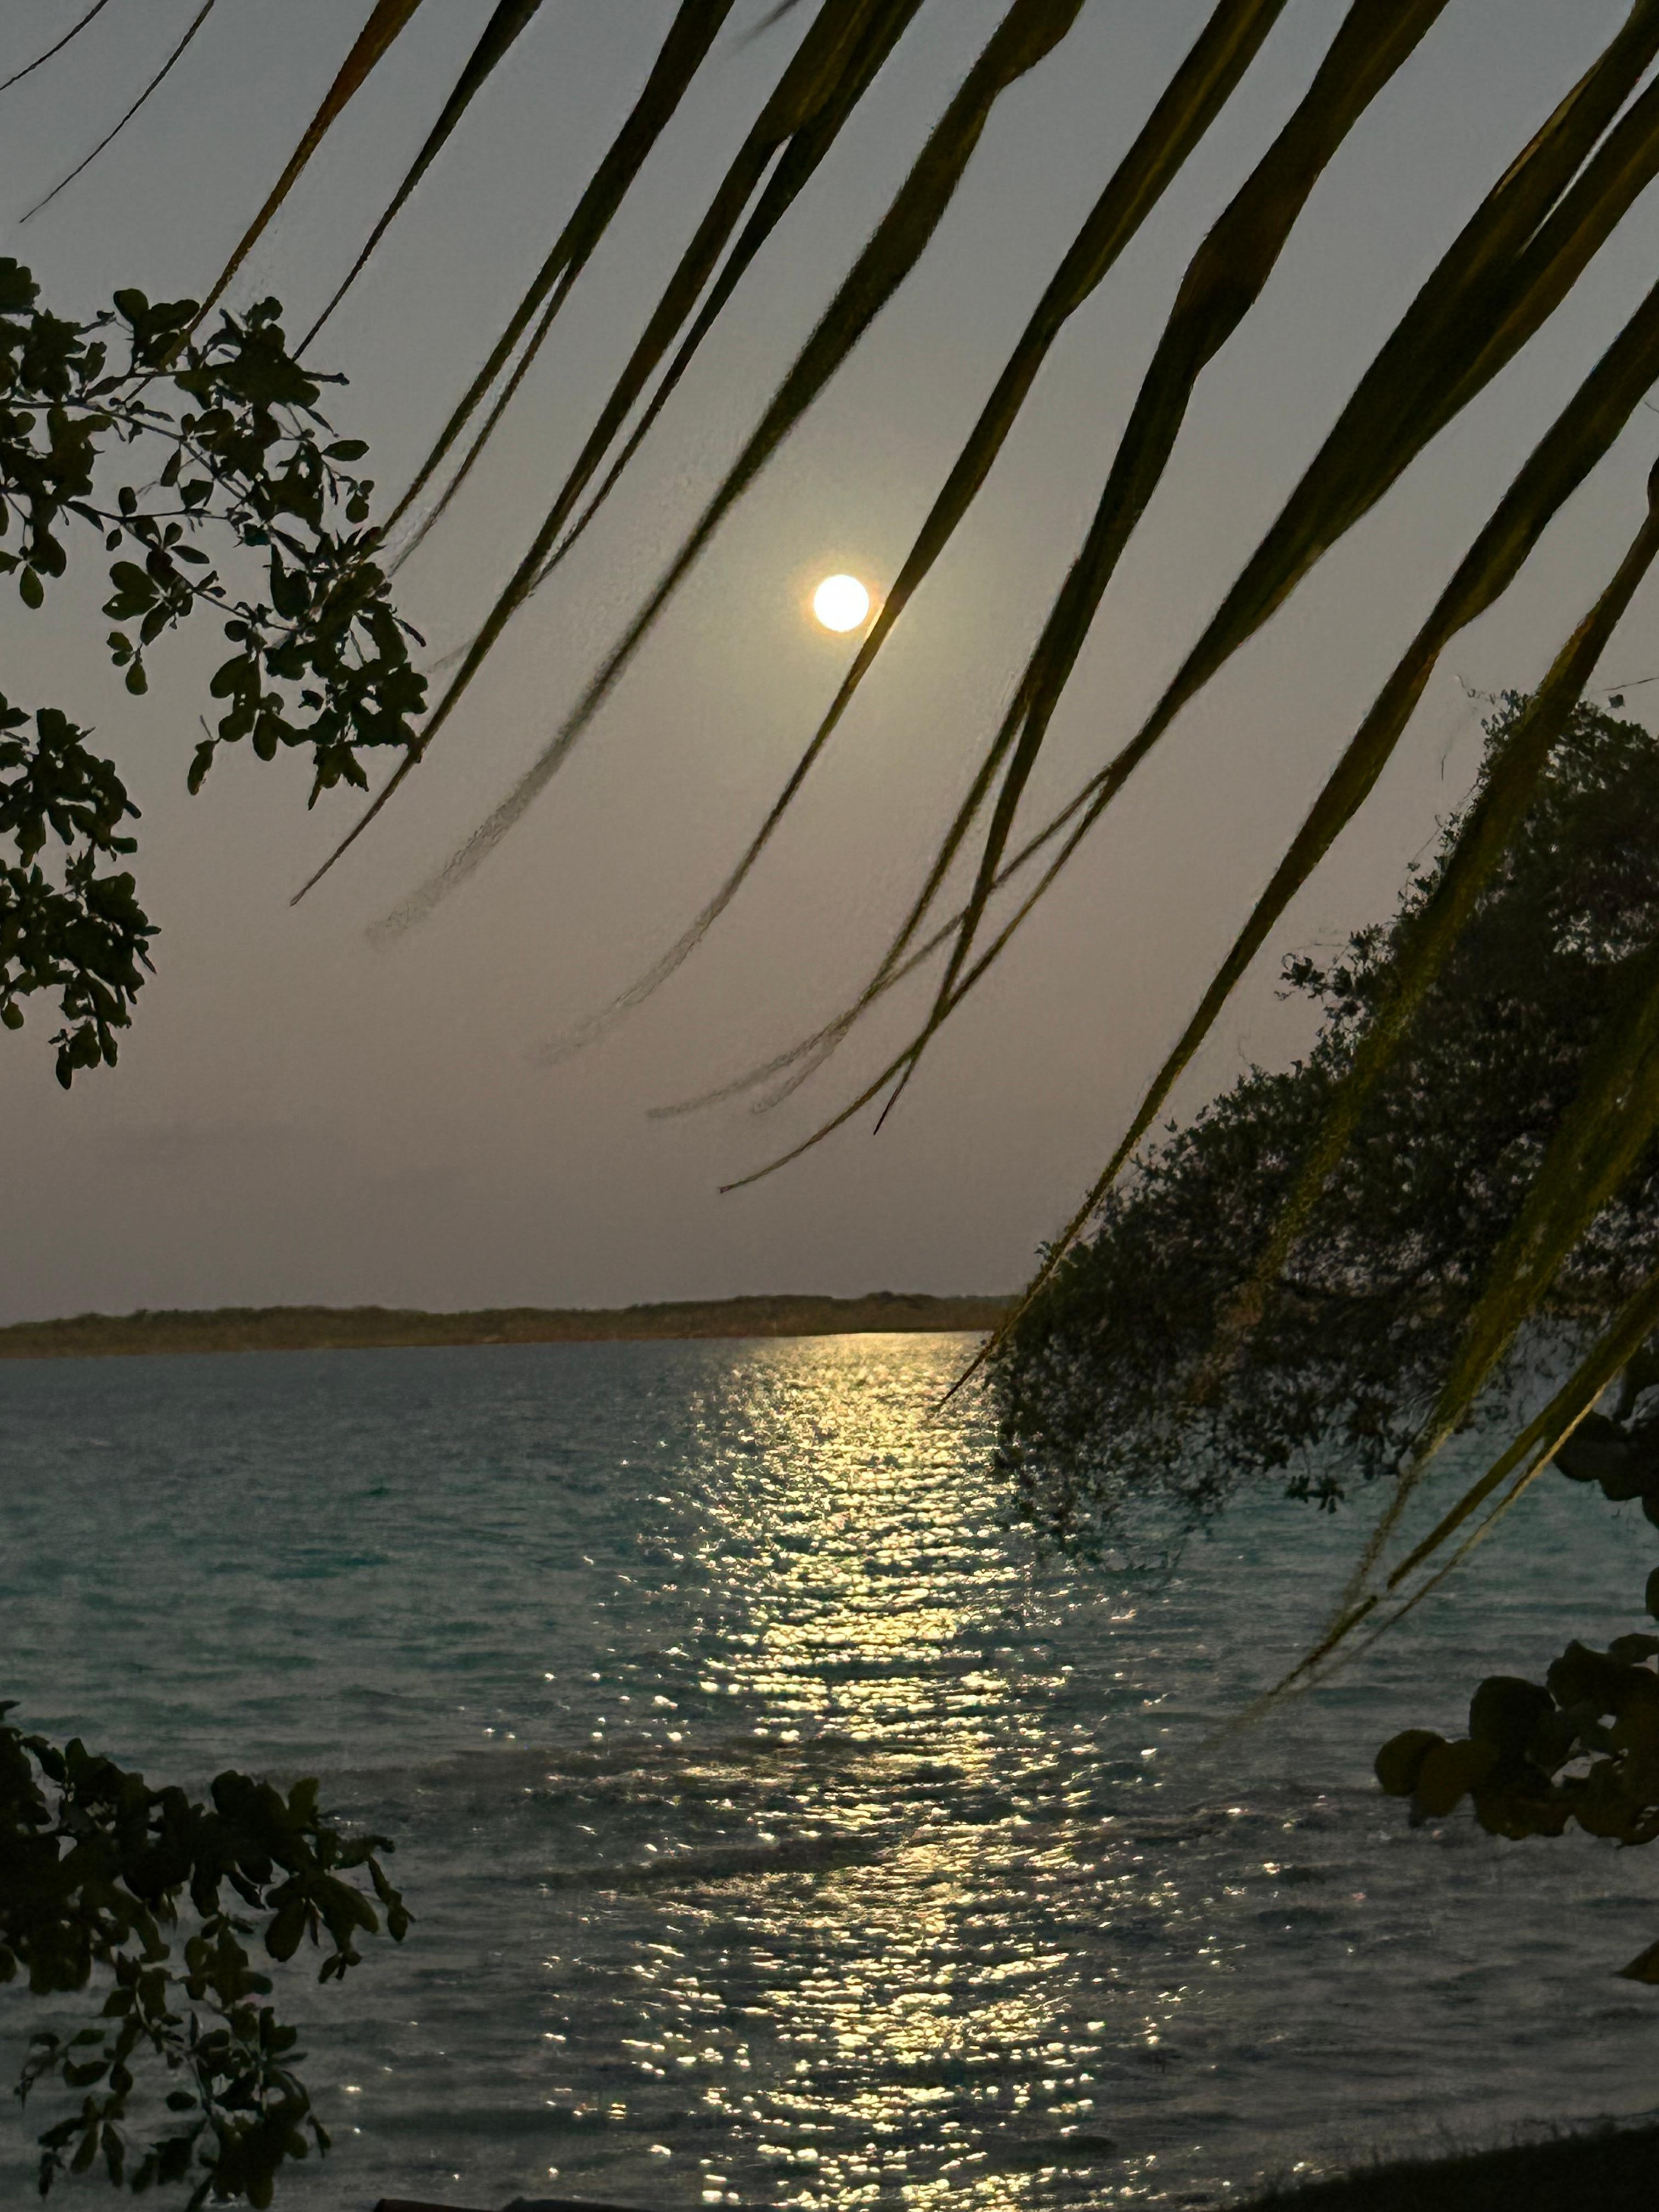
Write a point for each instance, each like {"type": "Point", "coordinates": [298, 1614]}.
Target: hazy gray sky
{"type": "Point", "coordinates": [300, 1115]}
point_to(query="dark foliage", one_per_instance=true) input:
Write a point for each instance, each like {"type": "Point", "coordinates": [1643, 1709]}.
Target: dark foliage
{"type": "Point", "coordinates": [1110, 1418]}
{"type": "Point", "coordinates": [99, 1873]}
{"type": "Point", "coordinates": [96, 1869]}
{"type": "Point", "coordinates": [223, 438]}
{"type": "Point", "coordinates": [1116, 1412]}
{"type": "Point", "coordinates": [1581, 1745]}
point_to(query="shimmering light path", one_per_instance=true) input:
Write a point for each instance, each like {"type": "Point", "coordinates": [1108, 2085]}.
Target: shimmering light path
{"type": "Point", "coordinates": [782, 1828]}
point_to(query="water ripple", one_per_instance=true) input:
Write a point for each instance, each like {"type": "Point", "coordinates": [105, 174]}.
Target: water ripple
{"type": "Point", "coordinates": [782, 1828]}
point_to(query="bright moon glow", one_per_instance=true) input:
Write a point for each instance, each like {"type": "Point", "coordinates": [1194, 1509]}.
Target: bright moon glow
{"type": "Point", "coordinates": [841, 603]}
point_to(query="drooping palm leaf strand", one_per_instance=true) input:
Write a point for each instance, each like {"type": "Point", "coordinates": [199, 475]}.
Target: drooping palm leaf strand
{"type": "Point", "coordinates": [794, 1059]}
{"type": "Point", "coordinates": [1533, 1452]}
{"type": "Point", "coordinates": [694, 30]}
{"type": "Point", "coordinates": [793, 171]}
{"type": "Point", "coordinates": [829, 51]}
{"type": "Point", "coordinates": [1582, 436]}
{"type": "Point", "coordinates": [1613, 1113]}
{"type": "Point", "coordinates": [110, 136]}
{"type": "Point", "coordinates": [834, 77]}
{"type": "Point", "coordinates": [509, 23]}
{"type": "Point", "coordinates": [1028, 33]}
{"type": "Point", "coordinates": [388, 22]}
{"type": "Point", "coordinates": [899, 1065]}
{"type": "Point", "coordinates": [1486, 299]}
{"type": "Point", "coordinates": [40, 60]}
{"type": "Point", "coordinates": [1614, 1350]}
{"type": "Point", "coordinates": [1226, 278]}
{"type": "Point", "coordinates": [1611, 1116]}
{"type": "Point", "coordinates": [1506, 794]}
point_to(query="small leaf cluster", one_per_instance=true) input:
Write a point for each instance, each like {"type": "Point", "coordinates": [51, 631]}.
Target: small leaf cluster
{"type": "Point", "coordinates": [96, 1868]}
{"type": "Point", "coordinates": [1583, 1746]}
{"type": "Point", "coordinates": [81, 934]}
{"type": "Point", "coordinates": [177, 450]}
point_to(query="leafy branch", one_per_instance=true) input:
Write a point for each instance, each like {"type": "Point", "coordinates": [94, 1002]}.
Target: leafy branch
{"type": "Point", "coordinates": [320, 660]}
{"type": "Point", "coordinates": [95, 1867]}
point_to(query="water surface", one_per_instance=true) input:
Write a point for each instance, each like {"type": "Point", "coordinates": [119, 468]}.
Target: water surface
{"type": "Point", "coordinates": [782, 1828]}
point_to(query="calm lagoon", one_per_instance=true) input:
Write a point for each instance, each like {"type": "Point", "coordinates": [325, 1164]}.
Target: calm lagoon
{"type": "Point", "coordinates": [783, 1827]}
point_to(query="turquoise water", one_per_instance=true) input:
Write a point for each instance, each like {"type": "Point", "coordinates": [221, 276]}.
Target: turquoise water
{"type": "Point", "coordinates": [782, 1829]}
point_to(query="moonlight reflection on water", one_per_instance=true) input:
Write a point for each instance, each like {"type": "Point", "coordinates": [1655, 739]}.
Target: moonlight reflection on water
{"type": "Point", "coordinates": [784, 1828]}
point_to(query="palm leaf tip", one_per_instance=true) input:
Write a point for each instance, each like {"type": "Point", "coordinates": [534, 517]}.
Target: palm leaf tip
{"type": "Point", "coordinates": [51, 51]}
{"type": "Point", "coordinates": [110, 136]}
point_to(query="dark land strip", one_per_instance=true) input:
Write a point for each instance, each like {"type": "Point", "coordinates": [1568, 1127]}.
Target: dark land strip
{"type": "Point", "coordinates": [1602, 2170]}
{"type": "Point", "coordinates": [362, 1328]}
{"type": "Point", "coordinates": [1613, 2169]}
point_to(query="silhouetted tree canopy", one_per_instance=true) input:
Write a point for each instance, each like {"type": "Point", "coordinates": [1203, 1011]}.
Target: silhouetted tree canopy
{"type": "Point", "coordinates": [1106, 1406]}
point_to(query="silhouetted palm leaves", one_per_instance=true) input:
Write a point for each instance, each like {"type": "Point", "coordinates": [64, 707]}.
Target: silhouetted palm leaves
{"type": "Point", "coordinates": [1512, 266]}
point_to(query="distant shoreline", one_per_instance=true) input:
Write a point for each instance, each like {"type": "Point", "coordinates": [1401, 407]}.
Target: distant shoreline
{"type": "Point", "coordinates": [378, 1328]}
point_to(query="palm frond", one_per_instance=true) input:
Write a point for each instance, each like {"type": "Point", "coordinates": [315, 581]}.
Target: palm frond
{"type": "Point", "coordinates": [1027, 34]}
{"type": "Point", "coordinates": [1508, 269]}
{"type": "Point", "coordinates": [694, 30]}
{"type": "Point", "coordinates": [1506, 795]}
{"type": "Point", "coordinates": [1612, 1115]}
{"type": "Point", "coordinates": [1225, 279]}
{"type": "Point", "coordinates": [1498, 282]}
{"type": "Point", "coordinates": [1195, 96]}
{"type": "Point", "coordinates": [1581, 437]}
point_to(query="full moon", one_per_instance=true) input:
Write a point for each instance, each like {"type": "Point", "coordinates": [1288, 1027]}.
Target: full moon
{"type": "Point", "coordinates": [842, 603]}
